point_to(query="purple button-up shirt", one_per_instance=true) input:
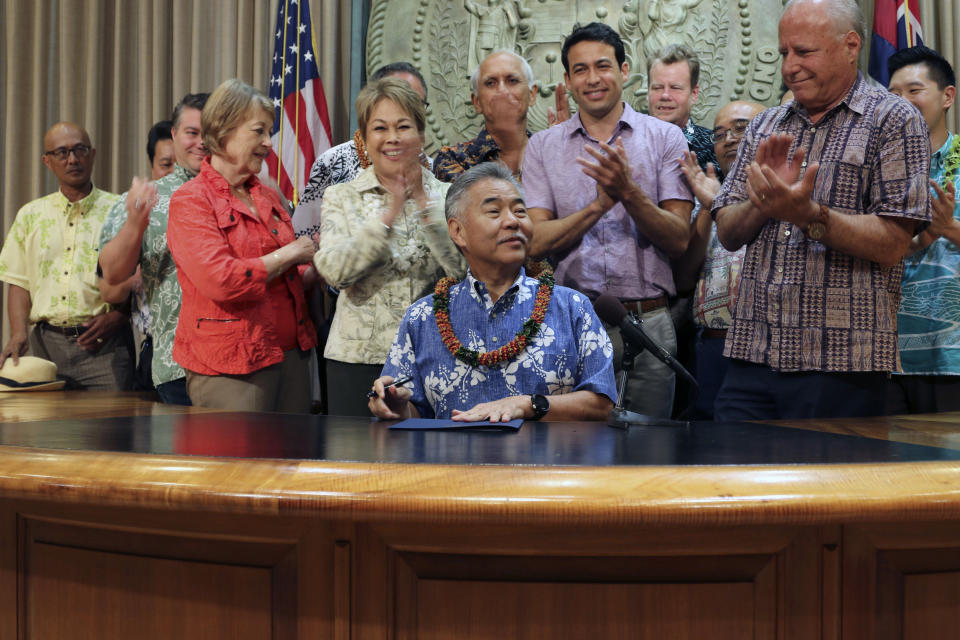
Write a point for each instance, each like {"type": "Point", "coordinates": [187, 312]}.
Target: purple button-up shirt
{"type": "Point", "coordinates": [613, 256]}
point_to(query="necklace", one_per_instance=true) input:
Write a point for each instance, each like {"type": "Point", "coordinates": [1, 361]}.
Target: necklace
{"type": "Point", "coordinates": [361, 149]}
{"type": "Point", "coordinates": [951, 164]}
{"type": "Point", "coordinates": [441, 310]}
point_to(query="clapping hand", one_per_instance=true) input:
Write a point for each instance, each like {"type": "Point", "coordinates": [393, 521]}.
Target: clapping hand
{"type": "Point", "coordinates": [402, 187]}
{"type": "Point", "coordinates": [560, 112]}
{"type": "Point", "coordinates": [774, 185]}
{"type": "Point", "coordinates": [943, 207]}
{"type": "Point", "coordinates": [141, 199]}
{"type": "Point", "coordinates": [705, 185]}
{"type": "Point", "coordinates": [611, 169]}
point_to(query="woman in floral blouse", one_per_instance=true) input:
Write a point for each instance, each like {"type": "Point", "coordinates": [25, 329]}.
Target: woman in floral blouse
{"type": "Point", "coordinates": [384, 242]}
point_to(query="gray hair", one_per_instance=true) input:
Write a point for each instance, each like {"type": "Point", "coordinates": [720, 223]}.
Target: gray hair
{"type": "Point", "coordinates": [847, 13]}
{"type": "Point", "coordinates": [671, 53]}
{"type": "Point", "coordinates": [455, 202]}
{"type": "Point", "coordinates": [524, 65]}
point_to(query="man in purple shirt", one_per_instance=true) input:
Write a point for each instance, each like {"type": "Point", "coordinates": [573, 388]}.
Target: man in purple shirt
{"type": "Point", "coordinates": [614, 221]}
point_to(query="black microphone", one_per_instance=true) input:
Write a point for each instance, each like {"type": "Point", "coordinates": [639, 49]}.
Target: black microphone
{"type": "Point", "coordinates": [612, 311]}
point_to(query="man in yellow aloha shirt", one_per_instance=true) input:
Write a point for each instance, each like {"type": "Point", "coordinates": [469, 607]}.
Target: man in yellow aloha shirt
{"type": "Point", "coordinates": [49, 259]}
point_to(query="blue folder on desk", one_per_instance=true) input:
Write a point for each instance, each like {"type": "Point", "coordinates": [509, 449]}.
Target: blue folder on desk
{"type": "Point", "coordinates": [449, 425]}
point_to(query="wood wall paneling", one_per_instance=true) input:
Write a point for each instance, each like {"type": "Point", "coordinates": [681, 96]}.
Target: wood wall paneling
{"type": "Point", "coordinates": [660, 583]}
{"type": "Point", "coordinates": [104, 595]}
{"type": "Point", "coordinates": [124, 573]}
{"type": "Point", "coordinates": [901, 581]}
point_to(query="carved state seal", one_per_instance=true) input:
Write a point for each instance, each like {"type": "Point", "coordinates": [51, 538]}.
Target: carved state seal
{"type": "Point", "coordinates": [735, 39]}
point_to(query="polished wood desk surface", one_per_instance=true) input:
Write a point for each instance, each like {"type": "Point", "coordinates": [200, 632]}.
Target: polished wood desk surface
{"type": "Point", "coordinates": [133, 423]}
{"type": "Point", "coordinates": [123, 449]}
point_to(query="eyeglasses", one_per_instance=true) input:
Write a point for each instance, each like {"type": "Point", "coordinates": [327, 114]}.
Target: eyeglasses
{"type": "Point", "coordinates": [737, 130]}
{"type": "Point", "coordinates": [62, 153]}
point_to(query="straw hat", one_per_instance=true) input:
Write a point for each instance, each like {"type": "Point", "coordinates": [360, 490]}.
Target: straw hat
{"type": "Point", "coordinates": [30, 374]}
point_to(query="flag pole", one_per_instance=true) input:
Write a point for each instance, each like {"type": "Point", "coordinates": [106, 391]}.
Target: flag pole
{"type": "Point", "coordinates": [906, 21]}
{"type": "Point", "coordinates": [296, 121]}
{"type": "Point", "coordinates": [283, 77]}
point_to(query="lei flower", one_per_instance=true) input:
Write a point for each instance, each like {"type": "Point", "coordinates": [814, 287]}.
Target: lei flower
{"type": "Point", "coordinates": [951, 163]}
{"type": "Point", "coordinates": [441, 311]}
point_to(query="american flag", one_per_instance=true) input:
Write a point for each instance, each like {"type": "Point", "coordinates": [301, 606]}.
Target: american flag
{"type": "Point", "coordinates": [301, 128]}
{"type": "Point", "coordinates": [896, 25]}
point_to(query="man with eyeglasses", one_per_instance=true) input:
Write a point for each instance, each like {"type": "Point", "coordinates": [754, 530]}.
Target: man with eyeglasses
{"type": "Point", "coordinates": [707, 267]}
{"type": "Point", "coordinates": [49, 260]}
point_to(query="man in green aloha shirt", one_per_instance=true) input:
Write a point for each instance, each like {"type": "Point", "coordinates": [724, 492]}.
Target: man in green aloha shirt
{"type": "Point", "coordinates": [49, 261]}
{"type": "Point", "coordinates": [135, 233]}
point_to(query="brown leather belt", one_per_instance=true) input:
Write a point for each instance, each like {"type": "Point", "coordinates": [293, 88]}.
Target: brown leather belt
{"type": "Point", "coordinates": [74, 331]}
{"type": "Point", "coordinates": [708, 332]}
{"type": "Point", "coordinates": [644, 306]}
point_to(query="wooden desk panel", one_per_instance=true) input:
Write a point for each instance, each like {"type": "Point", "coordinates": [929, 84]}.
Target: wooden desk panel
{"type": "Point", "coordinates": [618, 582]}
{"type": "Point", "coordinates": [851, 530]}
{"type": "Point", "coordinates": [71, 571]}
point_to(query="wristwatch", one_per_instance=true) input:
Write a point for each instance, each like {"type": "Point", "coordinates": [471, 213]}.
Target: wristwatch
{"type": "Point", "coordinates": [817, 229]}
{"type": "Point", "coordinates": [540, 406]}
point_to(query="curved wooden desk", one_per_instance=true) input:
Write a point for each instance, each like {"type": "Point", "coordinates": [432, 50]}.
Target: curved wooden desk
{"type": "Point", "coordinates": [138, 520]}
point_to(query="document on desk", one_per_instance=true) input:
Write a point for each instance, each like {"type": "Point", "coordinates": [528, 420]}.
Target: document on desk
{"type": "Point", "coordinates": [421, 424]}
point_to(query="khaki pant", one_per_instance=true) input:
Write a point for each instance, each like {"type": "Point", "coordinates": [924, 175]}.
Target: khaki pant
{"type": "Point", "coordinates": [109, 369]}
{"type": "Point", "coordinates": [650, 384]}
{"type": "Point", "coordinates": [282, 388]}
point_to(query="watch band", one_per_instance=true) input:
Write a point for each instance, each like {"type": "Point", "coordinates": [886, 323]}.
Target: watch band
{"type": "Point", "coordinates": [540, 404]}
{"type": "Point", "coordinates": [817, 228]}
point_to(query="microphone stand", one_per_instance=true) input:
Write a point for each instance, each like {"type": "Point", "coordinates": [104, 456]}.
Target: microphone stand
{"type": "Point", "coordinates": [620, 416]}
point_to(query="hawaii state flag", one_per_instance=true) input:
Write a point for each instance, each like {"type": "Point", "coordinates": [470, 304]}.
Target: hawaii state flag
{"type": "Point", "coordinates": [301, 128]}
{"type": "Point", "coordinates": [896, 25]}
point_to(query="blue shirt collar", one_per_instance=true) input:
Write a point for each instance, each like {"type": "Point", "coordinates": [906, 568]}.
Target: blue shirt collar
{"type": "Point", "coordinates": [478, 291]}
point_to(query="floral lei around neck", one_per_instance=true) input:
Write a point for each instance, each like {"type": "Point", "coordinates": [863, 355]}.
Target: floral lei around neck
{"type": "Point", "coordinates": [361, 149]}
{"type": "Point", "coordinates": [441, 311]}
{"type": "Point", "coordinates": [951, 163]}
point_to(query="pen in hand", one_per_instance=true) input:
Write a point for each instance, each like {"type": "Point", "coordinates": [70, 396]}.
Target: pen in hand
{"type": "Point", "coordinates": [396, 383]}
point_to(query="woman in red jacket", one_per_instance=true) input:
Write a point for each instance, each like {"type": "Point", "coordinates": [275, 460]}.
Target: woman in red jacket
{"type": "Point", "coordinates": [244, 335]}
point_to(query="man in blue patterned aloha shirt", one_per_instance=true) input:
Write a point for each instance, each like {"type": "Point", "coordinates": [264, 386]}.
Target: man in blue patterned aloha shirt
{"type": "Point", "coordinates": [928, 322]}
{"type": "Point", "coordinates": [564, 371]}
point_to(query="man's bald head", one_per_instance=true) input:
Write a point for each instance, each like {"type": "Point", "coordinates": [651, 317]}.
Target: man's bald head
{"type": "Point", "coordinates": [64, 128]}
{"type": "Point", "coordinates": [67, 152]}
{"type": "Point", "coordinates": [730, 123]}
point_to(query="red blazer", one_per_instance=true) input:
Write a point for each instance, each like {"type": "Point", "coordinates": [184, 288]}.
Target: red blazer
{"type": "Point", "coordinates": [227, 319]}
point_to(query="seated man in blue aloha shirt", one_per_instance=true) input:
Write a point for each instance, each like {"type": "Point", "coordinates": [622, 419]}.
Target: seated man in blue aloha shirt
{"type": "Point", "coordinates": [497, 345]}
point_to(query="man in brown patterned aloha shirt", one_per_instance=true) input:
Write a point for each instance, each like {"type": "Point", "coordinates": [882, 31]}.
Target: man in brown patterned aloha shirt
{"type": "Point", "coordinates": [827, 191]}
